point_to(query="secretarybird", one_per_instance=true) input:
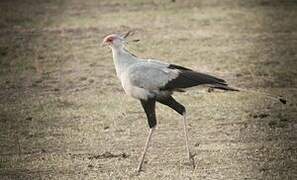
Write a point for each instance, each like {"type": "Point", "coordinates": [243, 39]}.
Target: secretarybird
{"type": "Point", "coordinates": [152, 81]}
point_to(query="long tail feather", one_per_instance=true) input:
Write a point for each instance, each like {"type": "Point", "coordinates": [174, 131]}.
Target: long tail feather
{"type": "Point", "coordinates": [223, 87]}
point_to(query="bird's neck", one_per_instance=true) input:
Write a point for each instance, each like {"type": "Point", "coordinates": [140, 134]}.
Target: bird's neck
{"type": "Point", "coordinates": [122, 59]}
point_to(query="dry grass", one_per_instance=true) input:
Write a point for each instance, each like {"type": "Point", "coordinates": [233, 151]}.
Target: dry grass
{"type": "Point", "coordinates": [63, 114]}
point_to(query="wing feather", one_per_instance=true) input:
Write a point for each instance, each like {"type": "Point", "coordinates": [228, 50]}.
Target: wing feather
{"type": "Point", "coordinates": [151, 75]}
{"type": "Point", "coordinates": [188, 78]}
{"type": "Point", "coordinates": [155, 75]}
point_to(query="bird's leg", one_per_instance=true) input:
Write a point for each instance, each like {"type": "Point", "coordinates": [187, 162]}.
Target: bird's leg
{"type": "Point", "coordinates": [149, 108]}
{"type": "Point", "coordinates": [145, 149]}
{"type": "Point", "coordinates": [190, 156]}
{"type": "Point", "coordinates": [179, 108]}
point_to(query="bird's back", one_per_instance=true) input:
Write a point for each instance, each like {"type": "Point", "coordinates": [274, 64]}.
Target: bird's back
{"type": "Point", "coordinates": [150, 75]}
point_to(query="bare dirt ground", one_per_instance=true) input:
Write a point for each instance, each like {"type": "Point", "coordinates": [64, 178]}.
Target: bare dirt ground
{"type": "Point", "coordinates": [63, 114]}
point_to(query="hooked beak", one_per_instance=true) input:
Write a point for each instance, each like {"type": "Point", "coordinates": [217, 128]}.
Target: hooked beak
{"type": "Point", "coordinates": [104, 43]}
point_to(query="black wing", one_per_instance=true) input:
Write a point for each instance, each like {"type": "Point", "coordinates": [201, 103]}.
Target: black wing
{"type": "Point", "coordinates": [189, 78]}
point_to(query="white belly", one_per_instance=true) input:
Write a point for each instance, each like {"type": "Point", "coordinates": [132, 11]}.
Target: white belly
{"type": "Point", "coordinates": [139, 92]}
{"type": "Point", "coordinates": [136, 92]}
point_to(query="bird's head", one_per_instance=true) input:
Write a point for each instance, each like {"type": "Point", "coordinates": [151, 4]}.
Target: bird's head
{"type": "Point", "coordinates": [113, 40]}
{"type": "Point", "coordinates": [116, 40]}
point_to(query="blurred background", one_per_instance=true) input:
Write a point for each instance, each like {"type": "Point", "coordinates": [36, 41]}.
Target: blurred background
{"type": "Point", "coordinates": [64, 115]}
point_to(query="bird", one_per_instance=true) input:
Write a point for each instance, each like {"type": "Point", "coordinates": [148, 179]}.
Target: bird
{"type": "Point", "coordinates": [152, 81]}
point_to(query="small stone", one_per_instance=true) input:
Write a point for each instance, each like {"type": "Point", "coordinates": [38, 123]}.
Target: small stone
{"type": "Point", "coordinates": [83, 78]}
{"type": "Point", "coordinates": [210, 90]}
{"type": "Point", "coordinates": [263, 115]}
{"type": "Point", "coordinates": [38, 81]}
{"type": "Point", "coordinates": [272, 124]}
{"type": "Point", "coordinates": [29, 118]}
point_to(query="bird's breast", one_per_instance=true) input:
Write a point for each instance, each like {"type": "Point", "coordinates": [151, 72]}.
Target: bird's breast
{"type": "Point", "coordinates": [134, 91]}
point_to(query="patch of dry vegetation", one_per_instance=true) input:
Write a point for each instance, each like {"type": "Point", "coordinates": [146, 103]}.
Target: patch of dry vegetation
{"type": "Point", "coordinates": [63, 114]}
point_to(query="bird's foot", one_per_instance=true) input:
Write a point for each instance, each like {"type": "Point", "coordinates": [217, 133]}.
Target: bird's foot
{"type": "Point", "coordinates": [139, 168]}
{"type": "Point", "coordinates": [192, 160]}
{"type": "Point", "coordinates": [138, 171]}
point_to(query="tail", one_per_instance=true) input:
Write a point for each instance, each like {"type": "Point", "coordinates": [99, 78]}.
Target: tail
{"type": "Point", "coordinates": [188, 78]}
{"type": "Point", "coordinates": [270, 96]}
{"type": "Point", "coordinates": [226, 87]}
{"type": "Point", "coordinates": [223, 87]}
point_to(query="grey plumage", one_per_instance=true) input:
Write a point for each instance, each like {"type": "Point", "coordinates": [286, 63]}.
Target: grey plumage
{"type": "Point", "coordinates": [160, 79]}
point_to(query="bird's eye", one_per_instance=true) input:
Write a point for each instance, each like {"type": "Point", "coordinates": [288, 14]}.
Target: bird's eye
{"type": "Point", "coordinates": [110, 39]}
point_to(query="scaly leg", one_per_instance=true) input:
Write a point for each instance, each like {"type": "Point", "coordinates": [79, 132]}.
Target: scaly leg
{"type": "Point", "coordinates": [190, 156]}
{"type": "Point", "coordinates": [169, 101]}
{"type": "Point", "coordinates": [145, 149]}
